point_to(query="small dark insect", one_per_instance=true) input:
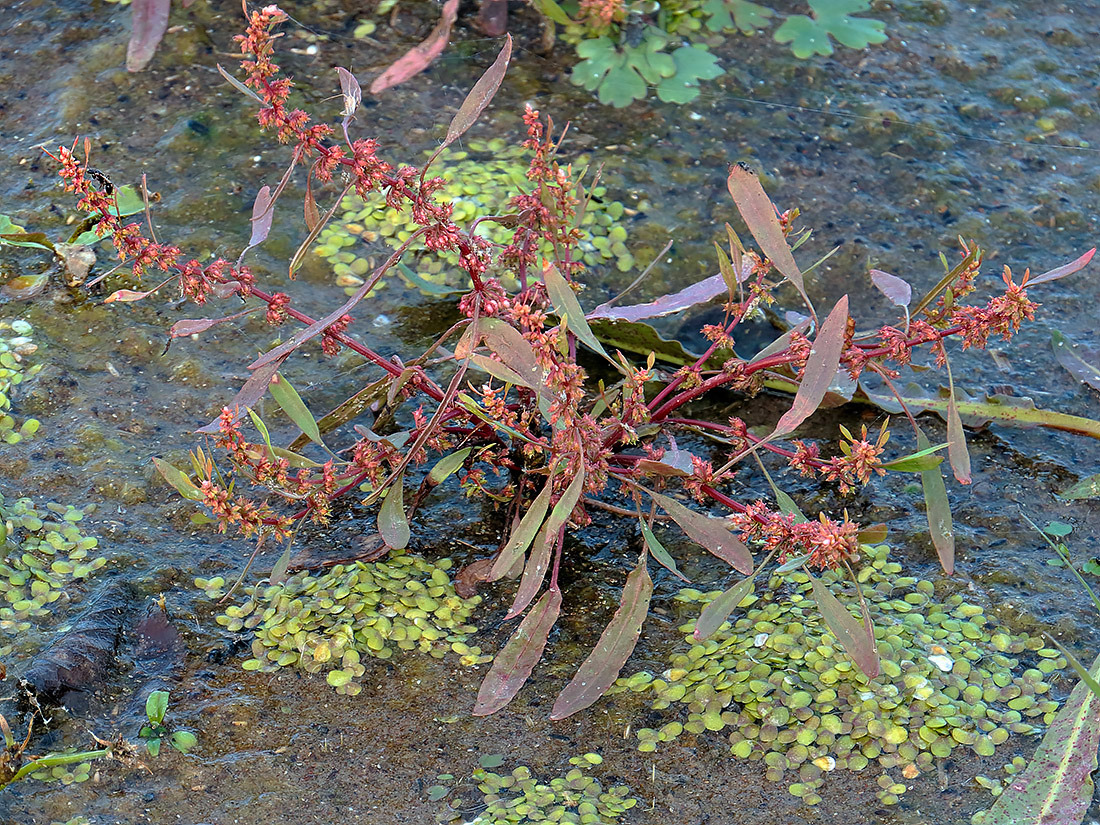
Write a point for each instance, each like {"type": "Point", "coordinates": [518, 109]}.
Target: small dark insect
{"type": "Point", "coordinates": [104, 182]}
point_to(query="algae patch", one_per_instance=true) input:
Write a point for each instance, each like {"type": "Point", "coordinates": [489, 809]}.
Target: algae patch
{"type": "Point", "coordinates": [329, 623]}
{"type": "Point", "coordinates": [777, 676]}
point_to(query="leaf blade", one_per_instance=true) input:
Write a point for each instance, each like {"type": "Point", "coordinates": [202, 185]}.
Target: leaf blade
{"type": "Point", "coordinates": [295, 408]}
{"type": "Point", "coordinates": [938, 509]}
{"type": "Point", "coordinates": [820, 370]}
{"type": "Point", "coordinates": [852, 634]}
{"type": "Point", "coordinates": [513, 664]}
{"type": "Point", "coordinates": [569, 308]}
{"type": "Point", "coordinates": [707, 532]}
{"type": "Point", "coordinates": [714, 615]}
{"type": "Point", "coordinates": [598, 672]}
{"type": "Point", "coordinates": [393, 524]}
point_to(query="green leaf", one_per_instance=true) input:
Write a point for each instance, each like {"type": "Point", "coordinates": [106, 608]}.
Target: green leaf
{"type": "Point", "coordinates": [708, 532]}
{"type": "Point", "coordinates": [1083, 363]}
{"type": "Point", "coordinates": [1058, 529]}
{"type": "Point", "coordinates": [128, 201]}
{"type": "Point", "coordinates": [598, 56]}
{"type": "Point", "coordinates": [1057, 787]}
{"type": "Point", "coordinates": [746, 16]}
{"type": "Point", "coordinates": [183, 740]}
{"type": "Point", "coordinates": [693, 63]}
{"type": "Point", "coordinates": [810, 35]}
{"type": "Point", "coordinates": [938, 510]}
{"type": "Point", "coordinates": [658, 551]}
{"type": "Point", "coordinates": [598, 672]}
{"type": "Point", "coordinates": [569, 309]}
{"type": "Point", "coordinates": [156, 705]}
{"type": "Point", "coordinates": [392, 521]}
{"type": "Point", "coordinates": [1085, 488]}
{"type": "Point", "coordinates": [917, 462]}
{"type": "Point", "coordinates": [291, 403]}
{"type": "Point", "coordinates": [178, 479]}
{"type": "Point", "coordinates": [717, 611]}
{"type": "Point", "coordinates": [850, 632]}
{"type": "Point", "coordinates": [448, 466]}
{"type": "Point", "coordinates": [550, 9]}
{"type": "Point", "coordinates": [524, 533]}
{"type": "Point", "coordinates": [512, 666]}
{"type": "Point", "coordinates": [153, 746]}
{"type": "Point", "coordinates": [621, 86]}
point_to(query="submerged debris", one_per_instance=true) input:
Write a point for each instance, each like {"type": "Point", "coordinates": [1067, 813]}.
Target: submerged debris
{"type": "Point", "coordinates": [794, 700]}
{"type": "Point", "coordinates": [479, 183]}
{"type": "Point", "coordinates": [329, 623]}
{"type": "Point", "coordinates": [518, 798]}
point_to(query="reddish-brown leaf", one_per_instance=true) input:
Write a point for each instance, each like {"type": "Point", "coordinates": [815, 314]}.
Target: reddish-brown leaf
{"type": "Point", "coordinates": [193, 326]}
{"type": "Point", "coordinates": [853, 636]}
{"type": "Point", "coordinates": [350, 91]}
{"type": "Point", "coordinates": [716, 612]}
{"type": "Point", "coordinates": [598, 672]}
{"type": "Point", "coordinates": [420, 56]}
{"type": "Point", "coordinates": [820, 370]}
{"type": "Point", "coordinates": [698, 293]}
{"type": "Point", "coordinates": [263, 212]}
{"type": "Point", "coordinates": [707, 531]}
{"type": "Point", "coordinates": [760, 217]}
{"type": "Point", "coordinates": [149, 22]}
{"type": "Point", "coordinates": [252, 391]}
{"type": "Point", "coordinates": [897, 291]}
{"type": "Point", "coordinates": [126, 295]}
{"type": "Point", "coordinates": [1064, 270]}
{"type": "Point", "coordinates": [480, 96]}
{"type": "Point", "coordinates": [956, 436]}
{"type": "Point", "coordinates": [523, 535]}
{"type": "Point", "coordinates": [312, 213]}
{"type": "Point", "coordinates": [515, 661]}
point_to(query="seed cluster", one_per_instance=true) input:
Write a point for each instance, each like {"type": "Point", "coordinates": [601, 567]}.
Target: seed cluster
{"type": "Point", "coordinates": [328, 623]}
{"type": "Point", "coordinates": [777, 676]}
{"type": "Point", "coordinates": [479, 183]}
{"type": "Point", "coordinates": [574, 798]}
{"type": "Point", "coordinates": [15, 346]}
{"type": "Point", "coordinates": [42, 550]}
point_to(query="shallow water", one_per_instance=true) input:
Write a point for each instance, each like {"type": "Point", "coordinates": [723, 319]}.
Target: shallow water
{"type": "Point", "coordinates": [891, 152]}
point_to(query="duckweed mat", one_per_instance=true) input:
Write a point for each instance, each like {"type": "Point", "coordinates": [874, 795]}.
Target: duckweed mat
{"type": "Point", "coordinates": [42, 551]}
{"type": "Point", "coordinates": [518, 797]}
{"type": "Point", "coordinates": [16, 346]}
{"type": "Point", "coordinates": [479, 183]}
{"type": "Point", "coordinates": [329, 623]}
{"type": "Point", "coordinates": [951, 677]}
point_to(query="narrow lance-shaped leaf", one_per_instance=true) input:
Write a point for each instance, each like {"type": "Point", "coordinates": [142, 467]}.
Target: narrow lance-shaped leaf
{"type": "Point", "coordinates": [956, 436]}
{"type": "Point", "coordinates": [311, 213]}
{"type": "Point", "coordinates": [709, 532]}
{"type": "Point", "coordinates": [251, 392]}
{"type": "Point", "coordinates": [263, 213]}
{"type": "Point", "coordinates": [1085, 488]}
{"type": "Point", "coordinates": [350, 91]}
{"type": "Point", "coordinates": [716, 612]}
{"type": "Point", "coordinates": [569, 308]}
{"type": "Point", "coordinates": [480, 96]}
{"type": "Point", "coordinates": [178, 479]}
{"type": "Point", "coordinates": [849, 631]}
{"type": "Point", "coordinates": [295, 408]}
{"type": "Point", "coordinates": [1064, 270]}
{"type": "Point", "coordinates": [938, 509]}
{"type": "Point", "coordinates": [193, 326]}
{"type": "Point", "coordinates": [393, 524]}
{"type": "Point", "coordinates": [1083, 363]}
{"type": "Point", "coordinates": [534, 572]}
{"type": "Point", "coordinates": [598, 672]}
{"type": "Point", "coordinates": [420, 56]}
{"type": "Point", "coordinates": [523, 535]}
{"type": "Point", "coordinates": [513, 664]}
{"type": "Point", "coordinates": [658, 551]}
{"type": "Point", "coordinates": [820, 370]}
{"type": "Point", "coordinates": [759, 215]}
{"type": "Point", "coordinates": [448, 466]}
{"type": "Point", "coordinates": [240, 87]}
{"type": "Point", "coordinates": [1057, 787]}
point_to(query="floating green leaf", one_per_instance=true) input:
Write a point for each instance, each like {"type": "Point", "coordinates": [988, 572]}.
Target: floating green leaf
{"type": "Point", "coordinates": [1085, 488]}
{"type": "Point", "coordinates": [178, 479]}
{"type": "Point", "coordinates": [183, 740]}
{"type": "Point", "coordinates": [810, 35]}
{"type": "Point", "coordinates": [598, 672]}
{"type": "Point", "coordinates": [1057, 787]}
{"type": "Point", "coordinates": [693, 63]}
{"type": "Point", "coordinates": [727, 14]}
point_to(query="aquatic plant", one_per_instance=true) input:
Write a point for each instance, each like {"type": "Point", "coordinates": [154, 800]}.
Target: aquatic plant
{"type": "Point", "coordinates": [950, 678]}
{"type": "Point", "coordinates": [555, 426]}
{"type": "Point", "coordinates": [15, 368]}
{"type": "Point", "coordinates": [42, 552]}
{"type": "Point", "coordinates": [518, 797]}
{"type": "Point", "coordinates": [479, 181]}
{"type": "Point", "coordinates": [157, 731]}
{"type": "Point", "coordinates": [328, 624]}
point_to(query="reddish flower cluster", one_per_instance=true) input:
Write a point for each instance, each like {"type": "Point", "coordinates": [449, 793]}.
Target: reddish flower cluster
{"type": "Point", "coordinates": [1002, 315]}
{"type": "Point", "coordinates": [829, 544]}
